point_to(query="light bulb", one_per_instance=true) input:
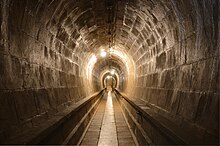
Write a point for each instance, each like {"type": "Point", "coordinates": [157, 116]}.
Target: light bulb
{"type": "Point", "coordinates": [112, 72]}
{"type": "Point", "coordinates": [103, 54]}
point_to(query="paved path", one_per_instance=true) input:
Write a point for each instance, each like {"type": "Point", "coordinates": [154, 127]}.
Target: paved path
{"type": "Point", "coordinates": [108, 126]}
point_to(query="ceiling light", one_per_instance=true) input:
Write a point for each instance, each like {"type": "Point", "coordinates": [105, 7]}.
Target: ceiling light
{"type": "Point", "coordinates": [103, 54]}
{"type": "Point", "coordinates": [111, 50]}
{"type": "Point", "coordinates": [113, 72]}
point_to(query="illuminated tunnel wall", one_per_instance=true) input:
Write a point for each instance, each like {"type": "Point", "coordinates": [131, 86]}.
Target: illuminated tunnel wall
{"type": "Point", "coordinates": [165, 52]}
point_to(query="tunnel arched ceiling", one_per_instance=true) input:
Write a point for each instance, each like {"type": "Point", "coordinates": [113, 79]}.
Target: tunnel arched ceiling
{"type": "Point", "coordinates": [142, 29]}
{"type": "Point", "coordinates": [154, 34]}
{"type": "Point", "coordinates": [130, 22]}
{"type": "Point", "coordinates": [166, 53]}
{"type": "Point", "coordinates": [109, 64]}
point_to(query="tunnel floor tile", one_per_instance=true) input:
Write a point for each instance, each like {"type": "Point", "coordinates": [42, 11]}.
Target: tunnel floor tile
{"type": "Point", "coordinates": [108, 126]}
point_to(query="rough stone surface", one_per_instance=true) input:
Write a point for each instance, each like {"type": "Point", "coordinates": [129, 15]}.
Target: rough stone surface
{"type": "Point", "coordinates": [172, 46]}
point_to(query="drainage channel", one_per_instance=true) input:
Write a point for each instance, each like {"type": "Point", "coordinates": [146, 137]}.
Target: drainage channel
{"type": "Point", "coordinates": [108, 125]}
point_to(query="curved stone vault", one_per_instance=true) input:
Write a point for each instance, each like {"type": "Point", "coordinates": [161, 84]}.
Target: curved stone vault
{"type": "Point", "coordinates": [165, 52]}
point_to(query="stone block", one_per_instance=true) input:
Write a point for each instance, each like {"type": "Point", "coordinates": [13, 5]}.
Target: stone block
{"type": "Point", "coordinates": [16, 16]}
{"type": "Point", "coordinates": [161, 60]}
{"type": "Point", "coordinates": [4, 35]}
{"type": "Point", "coordinates": [61, 95]}
{"type": "Point", "coordinates": [190, 30]}
{"type": "Point", "coordinates": [16, 72]}
{"type": "Point", "coordinates": [191, 50]}
{"type": "Point", "coordinates": [183, 52]}
{"type": "Point", "coordinates": [26, 45]}
{"type": "Point", "coordinates": [164, 43]}
{"type": "Point", "coordinates": [63, 79]}
{"type": "Point", "coordinates": [154, 80]}
{"type": "Point", "coordinates": [215, 76]}
{"type": "Point", "coordinates": [8, 112]}
{"type": "Point", "coordinates": [49, 78]}
{"type": "Point", "coordinates": [128, 22]}
{"type": "Point", "coordinates": [3, 71]}
{"type": "Point", "coordinates": [77, 95]}
{"type": "Point", "coordinates": [75, 35]}
{"type": "Point", "coordinates": [52, 99]}
{"type": "Point", "coordinates": [77, 69]}
{"type": "Point", "coordinates": [25, 104]}
{"type": "Point", "coordinates": [170, 39]}
{"type": "Point", "coordinates": [151, 41]}
{"type": "Point", "coordinates": [58, 61]}
{"type": "Point", "coordinates": [11, 72]}
{"type": "Point", "coordinates": [42, 100]}
{"type": "Point", "coordinates": [67, 53]}
{"type": "Point", "coordinates": [160, 29]}
{"type": "Point", "coordinates": [168, 100]}
{"type": "Point", "coordinates": [167, 79]}
{"type": "Point", "coordinates": [147, 94]}
{"type": "Point", "coordinates": [188, 105]}
{"type": "Point", "coordinates": [159, 12]}
{"type": "Point", "coordinates": [175, 102]}
{"type": "Point", "coordinates": [68, 80]}
{"type": "Point", "coordinates": [71, 44]}
{"type": "Point", "coordinates": [16, 43]}
{"type": "Point", "coordinates": [29, 25]}
{"type": "Point", "coordinates": [72, 94]}
{"type": "Point", "coordinates": [62, 35]}
{"type": "Point", "coordinates": [135, 31]}
{"type": "Point", "coordinates": [171, 59]}
{"type": "Point", "coordinates": [208, 112]}
{"type": "Point", "coordinates": [185, 77]}
{"type": "Point", "coordinates": [38, 53]}
{"type": "Point", "coordinates": [162, 98]}
{"type": "Point", "coordinates": [154, 96]}
{"type": "Point", "coordinates": [202, 75]}
{"type": "Point", "coordinates": [44, 35]}
{"type": "Point", "coordinates": [26, 71]}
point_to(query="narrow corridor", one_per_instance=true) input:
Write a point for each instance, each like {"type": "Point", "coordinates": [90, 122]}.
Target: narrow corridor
{"type": "Point", "coordinates": [161, 58]}
{"type": "Point", "coordinates": [108, 126]}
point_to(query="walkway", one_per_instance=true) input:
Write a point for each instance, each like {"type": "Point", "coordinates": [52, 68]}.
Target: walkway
{"type": "Point", "coordinates": [108, 126]}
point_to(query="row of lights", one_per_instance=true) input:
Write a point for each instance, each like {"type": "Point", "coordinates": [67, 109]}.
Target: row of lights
{"type": "Point", "coordinates": [109, 77]}
{"type": "Point", "coordinates": [104, 53]}
{"type": "Point", "coordinates": [112, 73]}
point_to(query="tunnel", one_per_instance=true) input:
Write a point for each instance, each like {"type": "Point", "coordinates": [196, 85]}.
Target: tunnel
{"type": "Point", "coordinates": [57, 56]}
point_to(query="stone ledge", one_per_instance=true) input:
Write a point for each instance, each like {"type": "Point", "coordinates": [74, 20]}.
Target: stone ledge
{"type": "Point", "coordinates": [161, 127]}
{"type": "Point", "coordinates": [37, 134]}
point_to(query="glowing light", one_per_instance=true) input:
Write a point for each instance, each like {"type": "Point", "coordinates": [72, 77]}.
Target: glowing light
{"type": "Point", "coordinates": [103, 53]}
{"type": "Point", "coordinates": [112, 72]}
{"type": "Point", "coordinates": [111, 50]}
{"type": "Point", "coordinates": [93, 59]}
{"type": "Point", "coordinates": [108, 77]}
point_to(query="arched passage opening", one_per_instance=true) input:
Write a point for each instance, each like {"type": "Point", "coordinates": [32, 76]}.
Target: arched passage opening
{"type": "Point", "coordinates": [110, 79]}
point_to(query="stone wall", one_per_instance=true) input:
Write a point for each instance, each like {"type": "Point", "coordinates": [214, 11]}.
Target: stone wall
{"type": "Point", "coordinates": [177, 58]}
{"type": "Point", "coordinates": [40, 65]}
{"type": "Point", "coordinates": [174, 45]}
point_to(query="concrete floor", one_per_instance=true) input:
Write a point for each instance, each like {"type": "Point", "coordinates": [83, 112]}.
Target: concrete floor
{"type": "Point", "coordinates": [108, 126]}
